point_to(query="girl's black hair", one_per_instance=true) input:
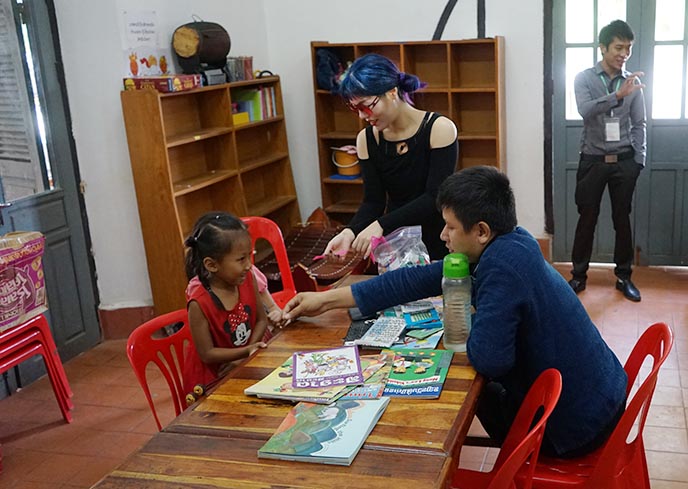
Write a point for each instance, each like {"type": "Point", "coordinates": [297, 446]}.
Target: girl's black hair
{"type": "Point", "coordinates": [209, 238]}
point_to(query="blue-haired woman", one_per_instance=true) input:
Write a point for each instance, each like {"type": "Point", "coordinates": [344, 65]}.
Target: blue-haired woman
{"type": "Point", "coordinates": [405, 154]}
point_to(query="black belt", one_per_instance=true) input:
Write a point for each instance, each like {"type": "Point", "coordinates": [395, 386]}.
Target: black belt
{"type": "Point", "coordinates": [612, 158]}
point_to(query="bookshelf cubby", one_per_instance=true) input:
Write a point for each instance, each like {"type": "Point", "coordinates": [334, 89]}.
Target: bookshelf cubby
{"type": "Point", "coordinates": [188, 157]}
{"type": "Point", "coordinates": [465, 83]}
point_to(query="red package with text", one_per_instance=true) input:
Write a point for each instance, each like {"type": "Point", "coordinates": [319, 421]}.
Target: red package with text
{"type": "Point", "coordinates": [22, 284]}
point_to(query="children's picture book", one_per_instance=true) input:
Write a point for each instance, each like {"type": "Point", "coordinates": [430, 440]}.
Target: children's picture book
{"type": "Point", "coordinates": [323, 368]}
{"type": "Point", "coordinates": [278, 383]}
{"type": "Point", "coordinates": [428, 342]}
{"type": "Point", "coordinates": [330, 434]}
{"type": "Point", "coordinates": [375, 384]}
{"type": "Point", "coordinates": [418, 373]}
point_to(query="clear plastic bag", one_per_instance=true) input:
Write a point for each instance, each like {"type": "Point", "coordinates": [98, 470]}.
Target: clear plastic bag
{"type": "Point", "coordinates": [403, 247]}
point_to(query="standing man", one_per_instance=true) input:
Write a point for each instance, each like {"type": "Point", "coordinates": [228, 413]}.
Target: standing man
{"type": "Point", "coordinates": [612, 153]}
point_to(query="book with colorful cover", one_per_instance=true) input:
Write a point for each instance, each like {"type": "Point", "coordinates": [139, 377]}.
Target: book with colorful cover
{"type": "Point", "coordinates": [330, 434]}
{"type": "Point", "coordinates": [278, 385]}
{"type": "Point", "coordinates": [425, 342]}
{"type": "Point", "coordinates": [375, 384]}
{"type": "Point", "coordinates": [324, 368]}
{"type": "Point", "coordinates": [418, 373]}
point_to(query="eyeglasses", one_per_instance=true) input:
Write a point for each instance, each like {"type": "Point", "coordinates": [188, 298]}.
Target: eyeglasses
{"type": "Point", "coordinates": [367, 109]}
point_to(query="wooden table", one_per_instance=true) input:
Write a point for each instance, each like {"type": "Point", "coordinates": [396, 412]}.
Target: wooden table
{"type": "Point", "coordinates": [416, 443]}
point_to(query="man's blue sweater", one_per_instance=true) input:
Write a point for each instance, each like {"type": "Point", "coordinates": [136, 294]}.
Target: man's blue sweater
{"type": "Point", "coordinates": [527, 320]}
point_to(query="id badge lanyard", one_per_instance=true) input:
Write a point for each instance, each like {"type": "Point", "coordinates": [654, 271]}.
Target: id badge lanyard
{"type": "Point", "coordinates": [612, 125]}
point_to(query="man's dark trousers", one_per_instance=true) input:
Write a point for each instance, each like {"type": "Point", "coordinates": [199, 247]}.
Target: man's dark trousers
{"type": "Point", "coordinates": [591, 179]}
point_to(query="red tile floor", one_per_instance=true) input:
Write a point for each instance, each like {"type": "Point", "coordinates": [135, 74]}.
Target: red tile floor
{"type": "Point", "coordinates": [112, 419]}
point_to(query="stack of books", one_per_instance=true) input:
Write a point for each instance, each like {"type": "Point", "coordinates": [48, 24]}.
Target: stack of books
{"type": "Point", "coordinates": [342, 397]}
{"type": "Point", "coordinates": [328, 383]}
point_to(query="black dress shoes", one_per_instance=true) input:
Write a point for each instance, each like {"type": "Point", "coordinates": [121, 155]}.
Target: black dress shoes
{"type": "Point", "coordinates": [578, 286]}
{"type": "Point", "coordinates": [629, 290]}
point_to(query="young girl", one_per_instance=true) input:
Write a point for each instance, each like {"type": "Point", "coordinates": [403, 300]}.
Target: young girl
{"type": "Point", "coordinates": [226, 318]}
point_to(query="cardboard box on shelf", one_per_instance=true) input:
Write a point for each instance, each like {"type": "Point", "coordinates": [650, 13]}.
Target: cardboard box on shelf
{"type": "Point", "coordinates": [22, 284]}
{"type": "Point", "coordinates": [164, 83]}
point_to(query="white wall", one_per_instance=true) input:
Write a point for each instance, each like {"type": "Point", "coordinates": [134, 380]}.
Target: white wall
{"type": "Point", "coordinates": [92, 52]}
{"type": "Point", "coordinates": [277, 34]}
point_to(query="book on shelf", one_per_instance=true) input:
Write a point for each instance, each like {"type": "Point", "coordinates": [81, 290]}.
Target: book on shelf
{"type": "Point", "coordinates": [418, 373]}
{"type": "Point", "coordinates": [331, 434]}
{"type": "Point", "coordinates": [249, 100]}
{"type": "Point", "coordinates": [278, 383]}
{"type": "Point", "coordinates": [324, 368]}
{"type": "Point", "coordinates": [258, 102]}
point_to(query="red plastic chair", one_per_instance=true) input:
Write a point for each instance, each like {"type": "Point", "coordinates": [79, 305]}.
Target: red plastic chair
{"type": "Point", "coordinates": [522, 443]}
{"type": "Point", "coordinates": [262, 228]}
{"type": "Point", "coordinates": [9, 357]}
{"type": "Point", "coordinates": [146, 345]}
{"type": "Point", "coordinates": [40, 324]}
{"type": "Point", "coordinates": [37, 330]}
{"type": "Point", "coordinates": [620, 462]}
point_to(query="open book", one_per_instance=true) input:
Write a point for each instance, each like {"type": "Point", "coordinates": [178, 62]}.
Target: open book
{"type": "Point", "coordinates": [330, 434]}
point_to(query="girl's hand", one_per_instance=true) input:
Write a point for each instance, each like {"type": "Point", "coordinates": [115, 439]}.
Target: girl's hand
{"type": "Point", "coordinates": [255, 347]}
{"type": "Point", "coordinates": [341, 243]}
{"type": "Point", "coordinates": [362, 242]}
{"type": "Point", "coordinates": [276, 317]}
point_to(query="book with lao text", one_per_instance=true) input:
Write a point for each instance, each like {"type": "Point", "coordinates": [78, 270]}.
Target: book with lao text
{"type": "Point", "coordinates": [278, 383]}
{"type": "Point", "coordinates": [374, 386]}
{"type": "Point", "coordinates": [331, 434]}
{"type": "Point", "coordinates": [418, 373]}
{"type": "Point", "coordinates": [324, 368]}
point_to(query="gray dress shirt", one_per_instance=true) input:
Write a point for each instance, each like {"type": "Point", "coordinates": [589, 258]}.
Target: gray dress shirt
{"type": "Point", "coordinates": [596, 99]}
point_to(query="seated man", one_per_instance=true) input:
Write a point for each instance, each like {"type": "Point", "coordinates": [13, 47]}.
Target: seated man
{"type": "Point", "coordinates": [527, 319]}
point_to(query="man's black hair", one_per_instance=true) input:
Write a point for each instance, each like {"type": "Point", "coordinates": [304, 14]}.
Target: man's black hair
{"type": "Point", "coordinates": [618, 29]}
{"type": "Point", "coordinates": [479, 193]}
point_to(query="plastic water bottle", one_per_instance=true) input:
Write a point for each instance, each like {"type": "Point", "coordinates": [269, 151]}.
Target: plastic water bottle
{"type": "Point", "coordinates": [456, 299]}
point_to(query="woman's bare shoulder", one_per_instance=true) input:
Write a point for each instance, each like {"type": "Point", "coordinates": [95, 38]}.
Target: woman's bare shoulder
{"type": "Point", "coordinates": [362, 145]}
{"type": "Point", "coordinates": [443, 133]}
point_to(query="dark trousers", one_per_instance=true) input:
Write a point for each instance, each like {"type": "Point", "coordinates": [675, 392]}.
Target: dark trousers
{"type": "Point", "coordinates": [497, 410]}
{"type": "Point", "coordinates": [591, 179]}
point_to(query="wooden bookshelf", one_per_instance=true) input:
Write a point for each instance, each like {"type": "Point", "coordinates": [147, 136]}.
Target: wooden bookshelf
{"type": "Point", "coordinates": [465, 83]}
{"type": "Point", "coordinates": [188, 158]}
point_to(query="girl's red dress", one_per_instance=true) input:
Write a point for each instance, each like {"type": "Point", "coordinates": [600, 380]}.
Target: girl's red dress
{"type": "Point", "coordinates": [228, 329]}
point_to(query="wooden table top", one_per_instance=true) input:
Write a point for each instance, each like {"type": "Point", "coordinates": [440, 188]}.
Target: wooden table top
{"type": "Point", "coordinates": [214, 443]}
{"type": "Point", "coordinates": [173, 460]}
